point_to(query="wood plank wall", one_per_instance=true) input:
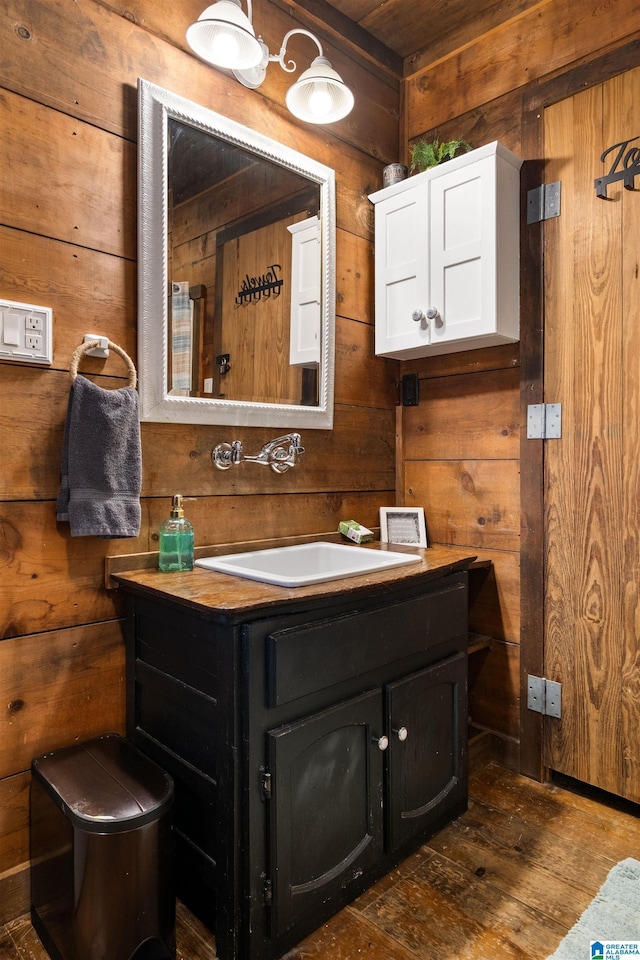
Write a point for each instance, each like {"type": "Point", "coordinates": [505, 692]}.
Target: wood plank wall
{"type": "Point", "coordinates": [68, 115]}
{"type": "Point", "coordinates": [460, 448]}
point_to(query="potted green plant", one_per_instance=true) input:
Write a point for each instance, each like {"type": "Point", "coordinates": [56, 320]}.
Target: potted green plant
{"type": "Point", "coordinates": [429, 153]}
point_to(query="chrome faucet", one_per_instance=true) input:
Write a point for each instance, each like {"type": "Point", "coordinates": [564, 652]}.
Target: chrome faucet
{"type": "Point", "coordinates": [275, 454]}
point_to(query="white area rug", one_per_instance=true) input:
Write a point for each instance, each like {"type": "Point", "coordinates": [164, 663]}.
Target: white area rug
{"type": "Point", "coordinates": [613, 915]}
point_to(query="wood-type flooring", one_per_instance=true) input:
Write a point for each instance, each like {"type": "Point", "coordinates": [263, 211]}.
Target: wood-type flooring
{"type": "Point", "coordinates": [506, 880]}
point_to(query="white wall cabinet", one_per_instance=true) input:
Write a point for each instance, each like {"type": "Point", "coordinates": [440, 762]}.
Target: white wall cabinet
{"type": "Point", "coordinates": [447, 256]}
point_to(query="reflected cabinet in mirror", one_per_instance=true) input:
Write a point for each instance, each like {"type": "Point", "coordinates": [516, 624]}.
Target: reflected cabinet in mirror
{"type": "Point", "coordinates": [236, 272]}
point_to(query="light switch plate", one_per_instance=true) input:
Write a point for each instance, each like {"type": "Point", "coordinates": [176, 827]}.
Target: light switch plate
{"type": "Point", "coordinates": [26, 332]}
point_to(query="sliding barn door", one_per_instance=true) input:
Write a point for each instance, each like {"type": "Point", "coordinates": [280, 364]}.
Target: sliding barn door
{"type": "Point", "coordinates": [592, 474]}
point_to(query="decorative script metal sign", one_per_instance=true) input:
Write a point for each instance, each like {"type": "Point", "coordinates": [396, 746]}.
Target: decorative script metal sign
{"type": "Point", "coordinates": [625, 166]}
{"type": "Point", "coordinates": [267, 285]}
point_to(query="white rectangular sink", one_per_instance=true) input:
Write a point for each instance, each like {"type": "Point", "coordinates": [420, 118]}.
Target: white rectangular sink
{"type": "Point", "coordinates": [305, 563]}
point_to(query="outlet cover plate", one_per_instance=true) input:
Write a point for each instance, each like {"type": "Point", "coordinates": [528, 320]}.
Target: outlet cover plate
{"type": "Point", "coordinates": [26, 332]}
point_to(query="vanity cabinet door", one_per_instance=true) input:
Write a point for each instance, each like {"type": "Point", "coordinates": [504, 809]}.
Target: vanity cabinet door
{"type": "Point", "coordinates": [325, 822]}
{"type": "Point", "coordinates": [427, 766]}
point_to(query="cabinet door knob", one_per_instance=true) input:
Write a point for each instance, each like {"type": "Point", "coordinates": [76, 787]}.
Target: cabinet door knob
{"type": "Point", "coordinates": [382, 742]}
{"type": "Point", "coordinates": [433, 314]}
{"type": "Point", "coordinates": [402, 733]}
{"type": "Point", "coordinates": [419, 316]}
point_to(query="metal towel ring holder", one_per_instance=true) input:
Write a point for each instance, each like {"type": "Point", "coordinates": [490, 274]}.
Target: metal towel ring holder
{"type": "Point", "coordinates": [92, 345]}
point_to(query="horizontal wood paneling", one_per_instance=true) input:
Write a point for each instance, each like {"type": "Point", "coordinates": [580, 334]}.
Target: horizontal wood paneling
{"type": "Point", "coordinates": [41, 397]}
{"type": "Point", "coordinates": [218, 207]}
{"type": "Point", "coordinates": [409, 33]}
{"type": "Point", "coordinates": [494, 688]}
{"type": "Point", "coordinates": [95, 207]}
{"type": "Point", "coordinates": [494, 597]}
{"type": "Point", "coordinates": [89, 292]}
{"type": "Point", "coordinates": [98, 83]}
{"type": "Point", "coordinates": [48, 580]}
{"type": "Point", "coordinates": [14, 899]}
{"type": "Point", "coordinates": [498, 120]}
{"type": "Point", "coordinates": [49, 693]}
{"type": "Point", "coordinates": [14, 822]}
{"type": "Point", "coordinates": [475, 502]}
{"type": "Point", "coordinates": [504, 357]}
{"type": "Point", "coordinates": [465, 417]}
{"type": "Point", "coordinates": [456, 28]}
{"type": "Point", "coordinates": [172, 451]}
{"type": "Point", "coordinates": [14, 846]}
{"type": "Point", "coordinates": [51, 581]}
{"type": "Point", "coordinates": [362, 437]}
{"type": "Point", "coordinates": [354, 277]}
{"type": "Point", "coordinates": [461, 448]}
{"type": "Point", "coordinates": [467, 501]}
{"type": "Point", "coordinates": [90, 177]}
{"type": "Point", "coordinates": [545, 38]}
{"type": "Point", "coordinates": [238, 518]}
{"type": "Point", "coordinates": [361, 377]}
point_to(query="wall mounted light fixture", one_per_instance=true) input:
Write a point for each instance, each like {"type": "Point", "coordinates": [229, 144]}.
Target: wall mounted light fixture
{"type": "Point", "coordinates": [223, 35]}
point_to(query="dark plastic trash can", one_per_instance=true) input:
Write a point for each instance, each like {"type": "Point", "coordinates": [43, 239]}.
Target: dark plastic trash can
{"type": "Point", "coordinates": [101, 853]}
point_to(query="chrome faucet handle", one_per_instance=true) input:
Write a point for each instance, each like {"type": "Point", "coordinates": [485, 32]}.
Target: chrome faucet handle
{"type": "Point", "coordinates": [295, 448]}
{"type": "Point", "coordinates": [272, 445]}
{"type": "Point", "coordinates": [281, 457]}
{"type": "Point", "coordinates": [236, 451]}
{"type": "Point", "coordinates": [222, 456]}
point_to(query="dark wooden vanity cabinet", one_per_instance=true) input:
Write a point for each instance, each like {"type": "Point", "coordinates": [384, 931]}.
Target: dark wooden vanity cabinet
{"type": "Point", "coordinates": [313, 746]}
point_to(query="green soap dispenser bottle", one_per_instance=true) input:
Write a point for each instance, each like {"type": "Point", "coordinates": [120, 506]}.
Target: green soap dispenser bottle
{"type": "Point", "coordinates": [176, 540]}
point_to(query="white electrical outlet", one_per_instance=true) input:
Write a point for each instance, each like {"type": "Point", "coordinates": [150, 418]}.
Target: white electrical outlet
{"type": "Point", "coordinates": [26, 332]}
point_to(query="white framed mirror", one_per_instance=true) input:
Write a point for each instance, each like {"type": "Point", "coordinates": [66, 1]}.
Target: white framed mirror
{"type": "Point", "coordinates": [227, 291]}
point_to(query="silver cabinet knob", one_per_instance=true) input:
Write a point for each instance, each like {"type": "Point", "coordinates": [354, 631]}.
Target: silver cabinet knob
{"type": "Point", "coordinates": [402, 733]}
{"type": "Point", "coordinates": [433, 314]}
{"type": "Point", "coordinates": [382, 742]}
{"type": "Point", "coordinates": [419, 316]}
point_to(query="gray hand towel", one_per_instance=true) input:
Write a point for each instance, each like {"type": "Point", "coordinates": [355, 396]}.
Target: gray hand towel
{"type": "Point", "coordinates": [101, 473]}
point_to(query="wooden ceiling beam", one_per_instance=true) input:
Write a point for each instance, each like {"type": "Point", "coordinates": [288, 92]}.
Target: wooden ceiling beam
{"type": "Point", "coordinates": [325, 20]}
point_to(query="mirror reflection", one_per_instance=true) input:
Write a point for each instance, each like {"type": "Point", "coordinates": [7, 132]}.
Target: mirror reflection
{"type": "Point", "coordinates": [239, 226]}
{"type": "Point", "coordinates": [236, 272]}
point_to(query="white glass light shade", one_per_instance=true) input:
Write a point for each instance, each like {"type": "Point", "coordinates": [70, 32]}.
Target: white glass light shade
{"type": "Point", "coordinates": [224, 36]}
{"type": "Point", "coordinates": [319, 95]}
{"type": "Point", "coordinates": [253, 77]}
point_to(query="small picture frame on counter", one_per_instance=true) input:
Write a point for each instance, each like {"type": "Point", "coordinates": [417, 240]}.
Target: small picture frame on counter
{"type": "Point", "coordinates": [405, 525]}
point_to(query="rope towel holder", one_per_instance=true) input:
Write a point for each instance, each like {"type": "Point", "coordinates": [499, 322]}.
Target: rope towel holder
{"type": "Point", "coordinates": [102, 344]}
